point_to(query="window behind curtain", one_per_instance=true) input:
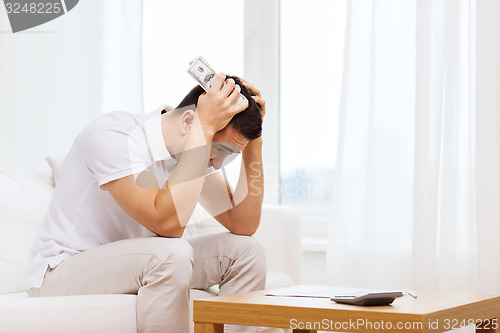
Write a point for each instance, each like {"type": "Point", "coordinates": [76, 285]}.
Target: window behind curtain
{"type": "Point", "coordinates": [312, 42]}
{"type": "Point", "coordinates": [176, 32]}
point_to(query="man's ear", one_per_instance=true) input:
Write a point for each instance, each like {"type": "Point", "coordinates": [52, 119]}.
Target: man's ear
{"type": "Point", "coordinates": [186, 121]}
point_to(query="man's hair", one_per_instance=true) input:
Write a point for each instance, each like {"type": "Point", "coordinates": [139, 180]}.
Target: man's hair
{"type": "Point", "coordinates": [248, 122]}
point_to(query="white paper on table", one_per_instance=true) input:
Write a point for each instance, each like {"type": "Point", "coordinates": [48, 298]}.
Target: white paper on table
{"type": "Point", "coordinates": [305, 290]}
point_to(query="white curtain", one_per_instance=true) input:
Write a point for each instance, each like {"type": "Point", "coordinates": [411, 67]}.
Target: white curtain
{"type": "Point", "coordinates": [418, 198]}
{"type": "Point", "coordinates": [57, 77]}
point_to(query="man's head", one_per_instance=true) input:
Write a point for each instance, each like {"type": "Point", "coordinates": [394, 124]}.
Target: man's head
{"type": "Point", "coordinates": [248, 122]}
{"type": "Point", "coordinates": [241, 129]}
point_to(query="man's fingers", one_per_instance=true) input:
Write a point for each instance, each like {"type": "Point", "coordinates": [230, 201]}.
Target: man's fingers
{"type": "Point", "coordinates": [228, 88]}
{"type": "Point", "coordinates": [262, 103]}
{"type": "Point", "coordinates": [251, 87]}
{"type": "Point", "coordinates": [233, 96]}
{"type": "Point", "coordinates": [244, 105]}
{"type": "Point", "coordinates": [259, 101]}
{"type": "Point", "coordinates": [219, 80]}
{"type": "Point", "coordinates": [238, 108]}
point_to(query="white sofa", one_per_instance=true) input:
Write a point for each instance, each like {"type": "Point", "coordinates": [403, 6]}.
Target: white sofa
{"type": "Point", "coordinates": [23, 200]}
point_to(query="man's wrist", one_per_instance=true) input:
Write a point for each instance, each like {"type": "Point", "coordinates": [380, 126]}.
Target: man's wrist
{"type": "Point", "coordinates": [209, 136]}
{"type": "Point", "coordinates": [253, 151]}
{"type": "Point", "coordinates": [205, 130]}
{"type": "Point", "coordinates": [255, 143]}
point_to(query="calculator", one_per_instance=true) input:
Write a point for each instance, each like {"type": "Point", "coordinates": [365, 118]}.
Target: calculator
{"type": "Point", "coordinates": [369, 298]}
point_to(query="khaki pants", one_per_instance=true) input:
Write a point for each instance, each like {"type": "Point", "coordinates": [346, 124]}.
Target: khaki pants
{"type": "Point", "coordinates": [161, 271]}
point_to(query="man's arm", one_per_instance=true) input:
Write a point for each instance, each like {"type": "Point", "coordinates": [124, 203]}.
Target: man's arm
{"type": "Point", "coordinates": [166, 211]}
{"type": "Point", "coordinates": [239, 212]}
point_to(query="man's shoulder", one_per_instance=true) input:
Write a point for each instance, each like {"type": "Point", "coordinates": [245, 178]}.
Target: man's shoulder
{"type": "Point", "coordinates": [112, 143]}
{"type": "Point", "coordinates": [108, 130]}
{"type": "Point", "coordinates": [117, 119]}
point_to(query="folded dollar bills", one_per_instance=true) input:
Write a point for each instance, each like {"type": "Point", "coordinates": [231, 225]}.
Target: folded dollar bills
{"type": "Point", "coordinates": [201, 71]}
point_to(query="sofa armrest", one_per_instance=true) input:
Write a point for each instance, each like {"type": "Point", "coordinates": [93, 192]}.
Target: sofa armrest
{"type": "Point", "coordinates": [280, 232]}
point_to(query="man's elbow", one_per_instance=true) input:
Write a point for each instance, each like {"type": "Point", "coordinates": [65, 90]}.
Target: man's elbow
{"type": "Point", "coordinates": [169, 228]}
{"type": "Point", "coordinates": [245, 230]}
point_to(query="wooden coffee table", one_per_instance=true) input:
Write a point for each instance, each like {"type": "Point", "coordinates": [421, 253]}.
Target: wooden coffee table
{"type": "Point", "coordinates": [429, 313]}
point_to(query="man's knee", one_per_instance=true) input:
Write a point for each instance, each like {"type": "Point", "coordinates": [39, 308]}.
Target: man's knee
{"type": "Point", "coordinates": [249, 248]}
{"type": "Point", "coordinates": [174, 257]}
{"type": "Point", "coordinates": [250, 261]}
{"type": "Point", "coordinates": [254, 246]}
{"type": "Point", "coordinates": [173, 250]}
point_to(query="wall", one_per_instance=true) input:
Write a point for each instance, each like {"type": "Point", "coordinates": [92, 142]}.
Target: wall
{"type": "Point", "coordinates": [57, 77]}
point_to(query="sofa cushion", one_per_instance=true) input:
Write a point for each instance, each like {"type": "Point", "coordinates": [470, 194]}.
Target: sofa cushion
{"type": "Point", "coordinates": [276, 280]}
{"type": "Point", "coordinates": [24, 198]}
{"type": "Point", "coordinates": [85, 314]}
{"type": "Point", "coordinates": [75, 314]}
{"type": "Point", "coordinates": [56, 166]}
{"type": "Point", "coordinates": [280, 233]}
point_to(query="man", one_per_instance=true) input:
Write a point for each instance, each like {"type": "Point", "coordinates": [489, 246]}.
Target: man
{"type": "Point", "coordinates": [128, 178]}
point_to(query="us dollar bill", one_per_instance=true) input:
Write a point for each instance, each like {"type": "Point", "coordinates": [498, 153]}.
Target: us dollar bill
{"type": "Point", "coordinates": [201, 71]}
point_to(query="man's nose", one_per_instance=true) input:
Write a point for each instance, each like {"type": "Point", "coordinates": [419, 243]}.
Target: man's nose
{"type": "Point", "coordinates": [217, 164]}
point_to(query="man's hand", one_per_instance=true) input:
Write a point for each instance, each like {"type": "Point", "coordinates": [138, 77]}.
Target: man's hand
{"type": "Point", "coordinates": [258, 98]}
{"type": "Point", "coordinates": [216, 107]}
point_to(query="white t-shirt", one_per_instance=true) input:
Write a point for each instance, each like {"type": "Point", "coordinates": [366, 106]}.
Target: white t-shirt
{"type": "Point", "coordinates": [81, 216]}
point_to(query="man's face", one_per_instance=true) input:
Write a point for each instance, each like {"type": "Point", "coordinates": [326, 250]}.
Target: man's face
{"type": "Point", "coordinates": [226, 142]}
